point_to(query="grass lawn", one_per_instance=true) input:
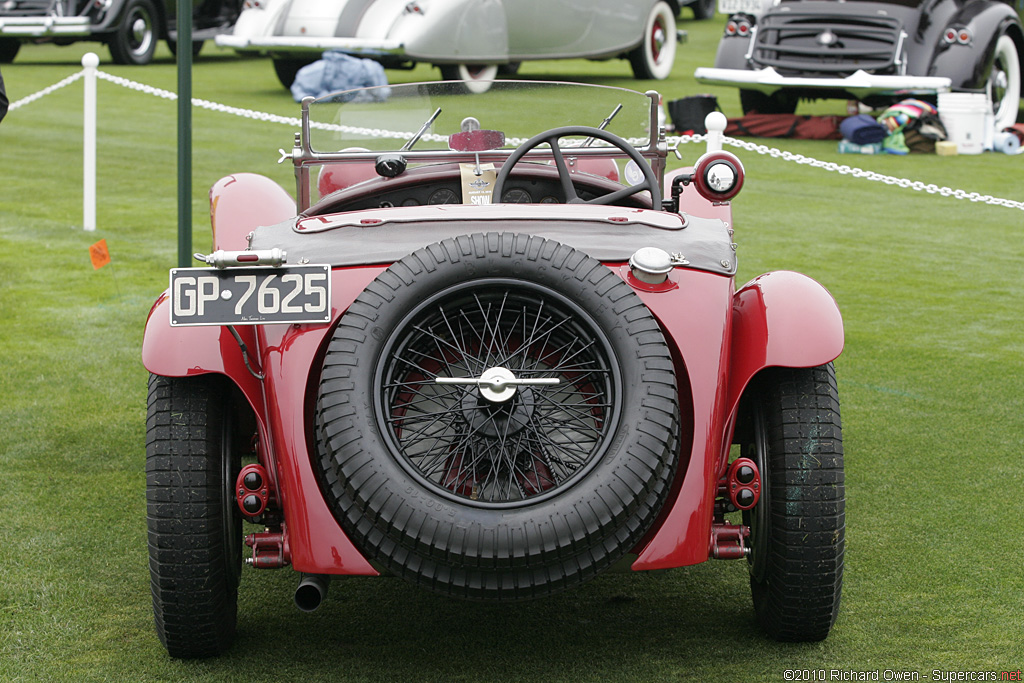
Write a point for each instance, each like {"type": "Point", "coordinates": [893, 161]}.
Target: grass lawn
{"type": "Point", "coordinates": [931, 382]}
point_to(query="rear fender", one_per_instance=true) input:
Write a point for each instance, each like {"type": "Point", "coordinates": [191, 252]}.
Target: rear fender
{"type": "Point", "coordinates": [968, 65]}
{"type": "Point", "coordinates": [109, 20]}
{"type": "Point", "coordinates": [187, 351]}
{"type": "Point", "coordinates": [239, 203]}
{"type": "Point", "coordinates": [317, 544]}
{"type": "Point", "coordinates": [455, 31]}
{"type": "Point", "coordinates": [255, 22]}
{"type": "Point", "coordinates": [781, 319]}
{"type": "Point", "coordinates": [732, 53]}
{"type": "Point", "coordinates": [242, 202]}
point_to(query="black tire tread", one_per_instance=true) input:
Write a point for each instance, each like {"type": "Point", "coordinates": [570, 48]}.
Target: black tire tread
{"type": "Point", "coordinates": [287, 68]}
{"type": "Point", "coordinates": [753, 101]}
{"type": "Point", "coordinates": [120, 51]}
{"type": "Point", "coordinates": [704, 9]}
{"type": "Point", "coordinates": [9, 48]}
{"type": "Point", "coordinates": [478, 561]}
{"type": "Point", "coordinates": [798, 599]}
{"type": "Point", "coordinates": [194, 593]}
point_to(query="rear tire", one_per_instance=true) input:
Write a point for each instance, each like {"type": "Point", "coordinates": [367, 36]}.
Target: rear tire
{"type": "Point", "coordinates": [497, 500]}
{"type": "Point", "coordinates": [286, 69]}
{"type": "Point", "coordinates": [656, 54]}
{"type": "Point", "coordinates": [1003, 85]}
{"type": "Point", "coordinates": [134, 40]}
{"type": "Point", "coordinates": [197, 47]}
{"type": "Point", "coordinates": [9, 48]}
{"type": "Point", "coordinates": [704, 9]}
{"type": "Point", "coordinates": [477, 79]}
{"type": "Point", "coordinates": [195, 527]}
{"type": "Point", "coordinates": [755, 102]}
{"type": "Point", "coordinates": [798, 525]}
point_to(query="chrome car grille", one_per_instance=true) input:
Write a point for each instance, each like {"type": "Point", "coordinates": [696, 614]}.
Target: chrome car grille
{"type": "Point", "coordinates": [836, 44]}
{"type": "Point", "coordinates": [29, 8]}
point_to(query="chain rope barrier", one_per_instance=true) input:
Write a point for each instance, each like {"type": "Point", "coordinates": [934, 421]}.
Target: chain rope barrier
{"type": "Point", "coordinates": [674, 141]}
{"type": "Point", "coordinates": [46, 91]}
{"type": "Point", "coordinates": [844, 169]}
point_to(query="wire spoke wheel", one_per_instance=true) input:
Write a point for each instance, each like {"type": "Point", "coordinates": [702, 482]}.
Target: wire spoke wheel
{"type": "Point", "coordinates": [497, 418]}
{"type": "Point", "coordinates": [461, 443]}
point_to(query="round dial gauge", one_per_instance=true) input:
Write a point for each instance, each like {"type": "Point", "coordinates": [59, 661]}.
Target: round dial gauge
{"type": "Point", "coordinates": [516, 195]}
{"type": "Point", "coordinates": [443, 196]}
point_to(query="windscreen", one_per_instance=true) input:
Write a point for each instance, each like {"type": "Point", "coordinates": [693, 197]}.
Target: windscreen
{"type": "Point", "coordinates": [387, 118]}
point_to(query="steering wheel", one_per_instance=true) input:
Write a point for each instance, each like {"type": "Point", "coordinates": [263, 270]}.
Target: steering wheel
{"type": "Point", "coordinates": [650, 181]}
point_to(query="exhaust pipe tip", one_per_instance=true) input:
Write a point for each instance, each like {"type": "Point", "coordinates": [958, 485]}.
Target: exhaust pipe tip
{"type": "Point", "coordinates": [311, 591]}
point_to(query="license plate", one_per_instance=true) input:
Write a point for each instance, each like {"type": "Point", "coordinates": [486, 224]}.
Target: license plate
{"type": "Point", "coordinates": [250, 296]}
{"type": "Point", "coordinates": [736, 6]}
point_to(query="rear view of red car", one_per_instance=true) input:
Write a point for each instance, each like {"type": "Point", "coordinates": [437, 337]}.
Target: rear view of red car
{"type": "Point", "coordinates": [495, 350]}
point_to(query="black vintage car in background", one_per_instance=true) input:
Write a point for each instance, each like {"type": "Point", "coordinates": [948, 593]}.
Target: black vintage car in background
{"type": "Point", "coordinates": [131, 28]}
{"type": "Point", "coordinates": [777, 52]}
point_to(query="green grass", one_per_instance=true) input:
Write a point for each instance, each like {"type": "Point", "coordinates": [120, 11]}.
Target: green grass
{"type": "Point", "coordinates": [931, 387]}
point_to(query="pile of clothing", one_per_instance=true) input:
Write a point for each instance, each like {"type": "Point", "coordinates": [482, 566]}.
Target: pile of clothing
{"type": "Point", "coordinates": [337, 72]}
{"type": "Point", "coordinates": [908, 126]}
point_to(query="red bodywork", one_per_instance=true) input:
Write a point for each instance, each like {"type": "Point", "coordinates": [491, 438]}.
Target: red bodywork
{"type": "Point", "coordinates": [720, 339]}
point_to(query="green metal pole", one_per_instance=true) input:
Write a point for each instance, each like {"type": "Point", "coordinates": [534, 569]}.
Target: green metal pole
{"type": "Point", "coordinates": [184, 133]}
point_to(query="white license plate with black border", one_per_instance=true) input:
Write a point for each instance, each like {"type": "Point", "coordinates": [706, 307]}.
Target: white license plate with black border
{"type": "Point", "coordinates": [737, 6]}
{"type": "Point", "coordinates": [250, 296]}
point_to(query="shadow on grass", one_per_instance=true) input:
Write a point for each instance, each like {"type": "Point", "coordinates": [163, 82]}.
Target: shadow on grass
{"type": "Point", "coordinates": [643, 626]}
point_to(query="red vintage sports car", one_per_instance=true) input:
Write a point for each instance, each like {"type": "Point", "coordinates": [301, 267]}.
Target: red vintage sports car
{"type": "Point", "coordinates": [493, 348]}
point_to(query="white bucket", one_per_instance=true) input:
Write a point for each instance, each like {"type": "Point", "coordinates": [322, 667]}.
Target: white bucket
{"type": "Point", "coordinates": [964, 115]}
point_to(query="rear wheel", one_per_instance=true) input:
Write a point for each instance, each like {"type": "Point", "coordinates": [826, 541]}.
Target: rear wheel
{"type": "Point", "coordinates": [754, 102]}
{"type": "Point", "coordinates": [197, 47]}
{"type": "Point", "coordinates": [521, 427]}
{"type": "Point", "coordinates": [9, 48]}
{"type": "Point", "coordinates": [703, 9]}
{"type": "Point", "coordinates": [1003, 85]}
{"type": "Point", "coordinates": [656, 54]}
{"type": "Point", "coordinates": [134, 40]}
{"type": "Point", "coordinates": [798, 525]}
{"type": "Point", "coordinates": [286, 68]}
{"type": "Point", "coordinates": [477, 79]}
{"type": "Point", "coordinates": [195, 527]}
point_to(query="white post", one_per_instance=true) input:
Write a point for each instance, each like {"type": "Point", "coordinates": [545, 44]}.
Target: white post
{"type": "Point", "coordinates": [89, 61]}
{"type": "Point", "coordinates": [715, 122]}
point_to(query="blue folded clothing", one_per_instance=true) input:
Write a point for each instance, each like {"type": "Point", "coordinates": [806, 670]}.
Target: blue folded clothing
{"type": "Point", "coordinates": [863, 129]}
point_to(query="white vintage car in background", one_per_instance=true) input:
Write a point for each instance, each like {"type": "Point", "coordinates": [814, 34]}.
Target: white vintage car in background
{"type": "Point", "coordinates": [469, 40]}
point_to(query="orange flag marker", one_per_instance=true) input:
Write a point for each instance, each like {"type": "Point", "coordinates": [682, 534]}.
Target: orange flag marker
{"type": "Point", "coordinates": [99, 254]}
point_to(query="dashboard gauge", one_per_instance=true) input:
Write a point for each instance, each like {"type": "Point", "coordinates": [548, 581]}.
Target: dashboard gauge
{"type": "Point", "coordinates": [443, 196]}
{"type": "Point", "coordinates": [516, 195]}
{"type": "Point", "coordinates": [549, 200]}
{"type": "Point", "coordinates": [411, 201]}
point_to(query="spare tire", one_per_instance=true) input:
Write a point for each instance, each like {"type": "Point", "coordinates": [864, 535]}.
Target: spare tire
{"type": "Point", "coordinates": [550, 451]}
